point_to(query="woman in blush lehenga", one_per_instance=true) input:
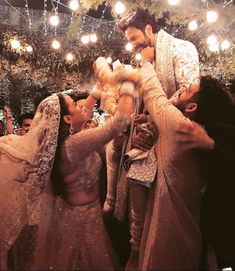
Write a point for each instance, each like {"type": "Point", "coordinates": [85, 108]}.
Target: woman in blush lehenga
{"type": "Point", "coordinates": [71, 234]}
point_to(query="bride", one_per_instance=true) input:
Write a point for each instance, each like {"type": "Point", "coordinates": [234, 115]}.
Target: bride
{"type": "Point", "coordinates": [71, 234]}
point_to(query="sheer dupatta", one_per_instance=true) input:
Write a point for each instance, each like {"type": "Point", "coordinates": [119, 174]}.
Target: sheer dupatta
{"type": "Point", "coordinates": [25, 167]}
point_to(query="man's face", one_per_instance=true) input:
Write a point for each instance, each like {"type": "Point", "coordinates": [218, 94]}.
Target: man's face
{"type": "Point", "coordinates": [186, 94]}
{"type": "Point", "coordinates": [26, 124]}
{"type": "Point", "coordinates": [137, 38]}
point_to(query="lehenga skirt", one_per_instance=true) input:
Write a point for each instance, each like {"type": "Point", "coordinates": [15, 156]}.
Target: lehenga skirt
{"type": "Point", "coordinates": [73, 238]}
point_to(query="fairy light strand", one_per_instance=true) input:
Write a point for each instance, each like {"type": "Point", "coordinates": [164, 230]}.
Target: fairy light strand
{"type": "Point", "coordinates": [28, 15]}
{"type": "Point", "coordinates": [45, 17]}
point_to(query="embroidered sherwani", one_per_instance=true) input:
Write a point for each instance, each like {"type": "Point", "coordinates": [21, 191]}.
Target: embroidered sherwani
{"type": "Point", "coordinates": [176, 65]}
{"type": "Point", "coordinates": [171, 237]}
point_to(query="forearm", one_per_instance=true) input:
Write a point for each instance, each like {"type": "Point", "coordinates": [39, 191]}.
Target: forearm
{"type": "Point", "coordinates": [9, 126]}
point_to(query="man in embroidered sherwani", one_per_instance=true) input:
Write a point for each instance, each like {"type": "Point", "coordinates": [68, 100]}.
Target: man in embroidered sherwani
{"type": "Point", "coordinates": [176, 64]}
{"type": "Point", "coordinates": [172, 238]}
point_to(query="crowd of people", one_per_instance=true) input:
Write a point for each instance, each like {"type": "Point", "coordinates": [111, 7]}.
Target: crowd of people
{"type": "Point", "coordinates": [169, 149]}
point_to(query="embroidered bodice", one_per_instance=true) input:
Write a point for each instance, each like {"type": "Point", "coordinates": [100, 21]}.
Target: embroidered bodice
{"type": "Point", "coordinates": [80, 150]}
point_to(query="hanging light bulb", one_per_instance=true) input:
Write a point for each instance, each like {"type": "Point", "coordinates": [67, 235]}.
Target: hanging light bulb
{"type": "Point", "coordinates": [211, 16]}
{"type": "Point", "coordinates": [70, 57]}
{"type": "Point", "coordinates": [93, 38]}
{"type": "Point", "coordinates": [119, 7]}
{"type": "Point", "coordinates": [138, 56]}
{"type": "Point", "coordinates": [173, 2]}
{"type": "Point", "coordinates": [129, 47]}
{"type": "Point", "coordinates": [29, 49]}
{"type": "Point", "coordinates": [55, 44]}
{"type": "Point", "coordinates": [74, 5]}
{"type": "Point", "coordinates": [85, 39]}
{"type": "Point", "coordinates": [212, 40]}
{"type": "Point", "coordinates": [225, 45]}
{"type": "Point", "coordinates": [192, 25]}
{"type": "Point", "coordinates": [109, 60]}
{"type": "Point", "coordinates": [54, 20]}
{"type": "Point", "coordinates": [15, 44]}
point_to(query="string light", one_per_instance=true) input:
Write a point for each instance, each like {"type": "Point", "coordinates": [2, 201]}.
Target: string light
{"type": "Point", "coordinates": [192, 25]}
{"type": "Point", "coordinates": [138, 56]}
{"type": "Point", "coordinates": [55, 44]}
{"type": "Point", "coordinates": [69, 57]}
{"type": "Point", "coordinates": [129, 47]}
{"type": "Point", "coordinates": [74, 5]}
{"type": "Point", "coordinates": [54, 20]}
{"type": "Point", "coordinates": [29, 49]}
{"type": "Point", "coordinates": [212, 40]}
{"type": "Point", "coordinates": [225, 45]}
{"type": "Point", "coordinates": [173, 2]}
{"type": "Point", "coordinates": [15, 44]}
{"type": "Point", "coordinates": [85, 39]}
{"type": "Point", "coordinates": [119, 7]}
{"type": "Point", "coordinates": [45, 16]}
{"type": "Point", "coordinates": [211, 16]}
{"type": "Point", "coordinates": [27, 12]}
{"type": "Point", "coordinates": [93, 38]}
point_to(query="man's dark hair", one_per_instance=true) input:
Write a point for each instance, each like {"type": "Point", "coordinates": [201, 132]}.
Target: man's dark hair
{"type": "Point", "coordinates": [1, 121]}
{"type": "Point", "coordinates": [214, 104]}
{"type": "Point", "coordinates": [29, 115]}
{"type": "Point", "coordinates": [139, 19]}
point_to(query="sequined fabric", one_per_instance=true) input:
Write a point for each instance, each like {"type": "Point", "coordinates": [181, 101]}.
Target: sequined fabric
{"type": "Point", "coordinates": [177, 62]}
{"type": "Point", "coordinates": [171, 237]}
{"type": "Point", "coordinates": [25, 166]}
{"type": "Point", "coordinates": [73, 238]}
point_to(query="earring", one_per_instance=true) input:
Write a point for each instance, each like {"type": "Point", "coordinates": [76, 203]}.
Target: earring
{"type": "Point", "coordinates": [71, 130]}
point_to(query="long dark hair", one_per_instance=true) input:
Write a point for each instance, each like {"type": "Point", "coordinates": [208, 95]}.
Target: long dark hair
{"type": "Point", "coordinates": [214, 104]}
{"type": "Point", "coordinates": [58, 185]}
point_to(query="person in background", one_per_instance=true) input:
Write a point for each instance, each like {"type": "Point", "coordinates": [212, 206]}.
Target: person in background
{"type": "Point", "coordinates": [6, 127]}
{"type": "Point", "coordinates": [24, 122]}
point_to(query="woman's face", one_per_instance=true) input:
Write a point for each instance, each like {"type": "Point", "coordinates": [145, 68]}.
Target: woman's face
{"type": "Point", "coordinates": [77, 111]}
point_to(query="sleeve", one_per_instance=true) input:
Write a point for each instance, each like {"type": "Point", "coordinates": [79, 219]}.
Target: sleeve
{"type": "Point", "coordinates": [185, 62]}
{"type": "Point", "coordinates": [87, 141]}
{"type": "Point", "coordinates": [165, 116]}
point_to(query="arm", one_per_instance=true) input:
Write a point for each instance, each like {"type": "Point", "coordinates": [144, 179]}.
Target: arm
{"type": "Point", "coordinates": [86, 141]}
{"type": "Point", "coordinates": [164, 114]}
{"type": "Point", "coordinates": [194, 136]}
{"type": "Point", "coordinates": [8, 117]}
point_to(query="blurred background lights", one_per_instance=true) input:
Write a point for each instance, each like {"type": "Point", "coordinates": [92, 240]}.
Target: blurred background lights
{"type": "Point", "coordinates": [138, 56]}
{"type": "Point", "coordinates": [109, 60]}
{"type": "Point", "coordinates": [212, 40]}
{"type": "Point", "coordinates": [85, 39]}
{"type": "Point", "coordinates": [74, 5]}
{"type": "Point", "coordinates": [214, 48]}
{"type": "Point", "coordinates": [192, 25]}
{"type": "Point", "coordinates": [54, 20]}
{"type": "Point", "coordinates": [55, 44]}
{"type": "Point", "coordinates": [225, 45]}
{"type": "Point", "coordinates": [129, 47]}
{"type": "Point", "coordinates": [93, 38]}
{"type": "Point", "coordinates": [119, 7]}
{"type": "Point", "coordinates": [70, 57]}
{"type": "Point", "coordinates": [211, 16]}
{"type": "Point", "coordinates": [173, 2]}
{"type": "Point", "coordinates": [29, 49]}
{"type": "Point", "coordinates": [15, 44]}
